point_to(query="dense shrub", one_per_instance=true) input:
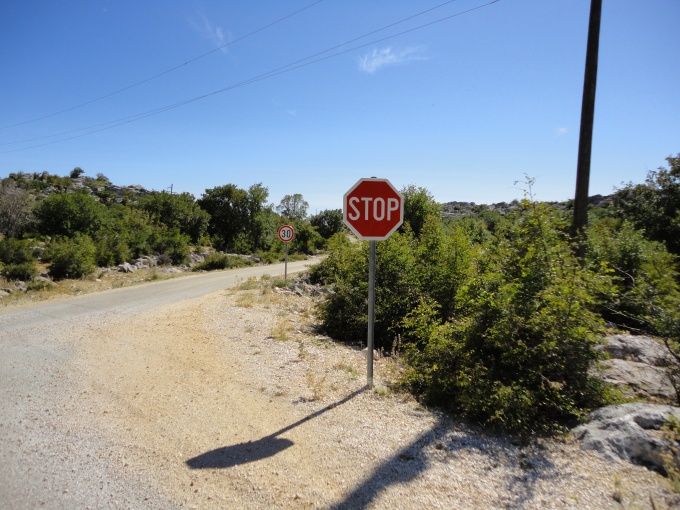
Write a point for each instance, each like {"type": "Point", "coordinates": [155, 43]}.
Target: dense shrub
{"type": "Point", "coordinates": [172, 243]}
{"type": "Point", "coordinates": [645, 295]}
{"type": "Point", "coordinates": [176, 211]}
{"type": "Point", "coordinates": [23, 271]}
{"type": "Point", "coordinates": [517, 353]}
{"type": "Point", "coordinates": [71, 257]}
{"type": "Point", "coordinates": [16, 259]}
{"type": "Point", "coordinates": [502, 331]}
{"type": "Point", "coordinates": [344, 313]}
{"type": "Point", "coordinates": [67, 214]}
{"type": "Point", "coordinates": [328, 222]}
{"type": "Point", "coordinates": [15, 251]}
{"type": "Point", "coordinates": [307, 239]}
{"type": "Point", "coordinates": [655, 205]}
{"type": "Point", "coordinates": [111, 250]}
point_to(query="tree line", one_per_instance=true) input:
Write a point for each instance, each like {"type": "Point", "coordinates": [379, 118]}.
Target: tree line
{"type": "Point", "coordinates": [77, 228]}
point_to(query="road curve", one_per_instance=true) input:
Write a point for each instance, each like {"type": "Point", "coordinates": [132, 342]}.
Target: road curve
{"type": "Point", "coordinates": [140, 297]}
{"type": "Point", "coordinates": [49, 455]}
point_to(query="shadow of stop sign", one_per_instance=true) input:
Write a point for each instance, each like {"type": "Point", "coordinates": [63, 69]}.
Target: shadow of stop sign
{"type": "Point", "coordinates": [373, 209]}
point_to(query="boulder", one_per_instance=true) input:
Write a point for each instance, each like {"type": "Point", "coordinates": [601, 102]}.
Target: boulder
{"type": "Point", "coordinates": [126, 268]}
{"type": "Point", "coordinates": [643, 379]}
{"type": "Point", "coordinates": [641, 349]}
{"type": "Point", "coordinates": [171, 270]}
{"type": "Point", "coordinates": [639, 367]}
{"type": "Point", "coordinates": [628, 432]}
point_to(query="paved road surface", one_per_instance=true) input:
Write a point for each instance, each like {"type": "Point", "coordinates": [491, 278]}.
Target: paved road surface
{"type": "Point", "coordinates": [47, 458]}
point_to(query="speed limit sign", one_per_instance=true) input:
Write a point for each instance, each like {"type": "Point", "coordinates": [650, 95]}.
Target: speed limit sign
{"type": "Point", "coordinates": [286, 233]}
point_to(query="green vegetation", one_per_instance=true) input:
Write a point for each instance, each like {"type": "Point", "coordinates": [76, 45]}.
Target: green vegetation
{"type": "Point", "coordinates": [80, 222]}
{"type": "Point", "coordinates": [496, 319]}
{"type": "Point", "coordinates": [72, 257]}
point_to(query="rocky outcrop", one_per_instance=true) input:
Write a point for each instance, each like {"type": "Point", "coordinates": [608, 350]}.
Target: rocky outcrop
{"type": "Point", "coordinates": [453, 209]}
{"type": "Point", "coordinates": [639, 368]}
{"type": "Point", "coordinates": [641, 349]}
{"type": "Point", "coordinates": [628, 432]}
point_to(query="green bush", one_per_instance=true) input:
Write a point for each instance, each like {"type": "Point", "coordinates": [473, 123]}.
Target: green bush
{"type": "Point", "coordinates": [71, 257]}
{"type": "Point", "coordinates": [23, 271]}
{"type": "Point", "coordinates": [111, 250]}
{"type": "Point", "coordinates": [645, 295]}
{"type": "Point", "coordinates": [15, 251]}
{"type": "Point", "coordinates": [65, 214]}
{"type": "Point", "coordinates": [655, 205]}
{"type": "Point", "coordinates": [344, 314]}
{"type": "Point", "coordinates": [172, 243]}
{"type": "Point", "coordinates": [517, 353]}
{"type": "Point", "coordinates": [16, 259]}
{"type": "Point", "coordinates": [497, 326]}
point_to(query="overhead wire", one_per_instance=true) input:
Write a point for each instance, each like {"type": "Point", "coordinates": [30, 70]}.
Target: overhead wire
{"type": "Point", "coordinates": [257, 78]}
{"type": "Point", "coordinates": [163, 73]}
{"type": "Point", "coordinates": [304, 62]}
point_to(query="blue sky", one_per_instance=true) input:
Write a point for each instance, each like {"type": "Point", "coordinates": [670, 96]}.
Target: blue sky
{"type": "Point", "coordinates": [463, 107]}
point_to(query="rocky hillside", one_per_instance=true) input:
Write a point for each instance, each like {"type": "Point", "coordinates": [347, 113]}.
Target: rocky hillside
{"type": "Point", "coordinates": [44, 184]}
{"type": "Point", "coordinates": [453, 209]}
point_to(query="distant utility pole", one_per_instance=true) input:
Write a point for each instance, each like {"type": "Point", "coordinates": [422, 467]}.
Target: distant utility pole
{"type": "Point", "coordinates": [586, 135]}
{"type": "Point", "coordinates": [171, 189]}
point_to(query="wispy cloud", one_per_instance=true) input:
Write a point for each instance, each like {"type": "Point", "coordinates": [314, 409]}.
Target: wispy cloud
{"type": "Point", "coordinates": [209, 31]}
{"type": "Point", "coordinates": [562, 131]}
{"type": "Point", "coordinates": [377, 59]}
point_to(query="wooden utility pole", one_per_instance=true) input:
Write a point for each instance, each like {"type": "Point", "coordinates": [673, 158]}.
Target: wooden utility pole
{"type": "Point", "coordinates": [586, 135]}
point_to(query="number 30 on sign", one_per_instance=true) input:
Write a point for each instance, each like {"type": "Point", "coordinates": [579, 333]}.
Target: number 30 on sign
{"type": "Point", "coordinates": [286, 233]}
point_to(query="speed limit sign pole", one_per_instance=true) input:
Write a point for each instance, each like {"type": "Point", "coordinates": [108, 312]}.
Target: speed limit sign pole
{"type": "Point", "coordinates": [373, 209]}
{"type": "Point", "coordinates": [286, 234]}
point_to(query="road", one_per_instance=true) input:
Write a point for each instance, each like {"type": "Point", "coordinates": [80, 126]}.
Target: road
{"type": "Point", "coordinates": [130, 299]}
{"type": "Point", "coordinates": [60, 365]}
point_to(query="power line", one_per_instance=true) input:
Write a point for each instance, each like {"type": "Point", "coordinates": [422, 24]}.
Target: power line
{"type": "Point", "coordinates": [304, 62]}
{"type": "Point", "coordinates": [257, 78]}
{"type": "Point", "coordinates": [163, 73]}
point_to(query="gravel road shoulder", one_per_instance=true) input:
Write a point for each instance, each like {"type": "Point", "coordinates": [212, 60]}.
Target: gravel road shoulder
{"type": "Point", "coordinates": [234, 401]}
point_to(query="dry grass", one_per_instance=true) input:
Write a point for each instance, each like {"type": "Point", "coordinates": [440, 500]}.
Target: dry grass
{"type": "Point", "coordinates": [281, 331]}
{"type": "Point", "coordinates": [98, 281]}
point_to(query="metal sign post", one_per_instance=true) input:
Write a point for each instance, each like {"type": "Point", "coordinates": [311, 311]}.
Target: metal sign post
{"type": "Point", "coordinates": [371, 314]}
{"type": "Point", "coordinates": [286, 234]}
{"type": "Point", "coordinates": [373, 209]}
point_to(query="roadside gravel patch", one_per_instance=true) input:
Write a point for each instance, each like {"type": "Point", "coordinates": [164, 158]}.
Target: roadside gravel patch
{"type": "Point", "coordinates": [234, 401]}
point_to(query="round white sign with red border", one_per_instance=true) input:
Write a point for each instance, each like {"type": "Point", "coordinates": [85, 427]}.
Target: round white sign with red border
{"type": "Point", "coordinates": [286, 233]}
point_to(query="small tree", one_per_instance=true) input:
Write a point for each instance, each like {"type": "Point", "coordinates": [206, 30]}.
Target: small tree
{"type": "Point", "coordinates": [76, 172]}
{"type": "Point", "coordinates": [328, 222]}
{"type": "Point", "coordinates": [71, 257]}
{"type": "Point", "coordinates": [293, 207]}
{"type": "Point", "coordinates": [65, 214]}
{"type": "Point", "coordinates": [655, 205]}
{"type": "Point", "coordinates": [15, 209]}
{"type": "Point", "coordinates": [418, 206]}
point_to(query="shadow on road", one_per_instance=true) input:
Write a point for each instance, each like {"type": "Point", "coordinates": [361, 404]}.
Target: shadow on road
{"type": "Point", "coordinates": [234, 455]}
{"type": "Point", "coordinates": [526, 467]}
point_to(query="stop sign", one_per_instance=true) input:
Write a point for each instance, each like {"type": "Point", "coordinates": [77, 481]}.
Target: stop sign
{"type": "Point", "coordinates": [373, 209]}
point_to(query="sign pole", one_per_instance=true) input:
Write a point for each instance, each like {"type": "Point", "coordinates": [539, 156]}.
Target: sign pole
{"type": "Point", "coordinates": [371, 315]}
{"type": "Point", "coordinates": [285, 266]}
{"type": "Point", "coordinates": [373, 209]}
{"type": "Point", "coordinates": [286, 234]}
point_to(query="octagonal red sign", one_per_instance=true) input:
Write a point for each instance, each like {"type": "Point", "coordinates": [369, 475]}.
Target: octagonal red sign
{"type": "Point", "coordinates": [373, 209]}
